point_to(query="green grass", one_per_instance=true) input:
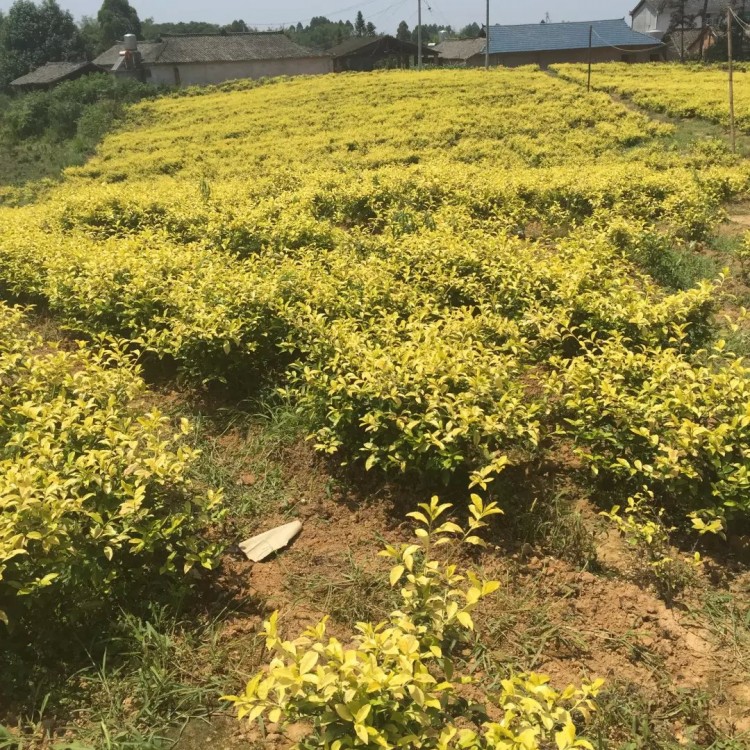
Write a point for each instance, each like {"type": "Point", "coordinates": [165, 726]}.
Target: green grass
{"type": "Point", "coordinates": [728, 620]}
{"type": "Point", "coordinates": [157, 674]}
{"type": "Point", "coordinates": [34, 160]}
{"type": "Point", "coordinates": [244, 451]}
{"type": "Point", "coordinates": [353, 594]}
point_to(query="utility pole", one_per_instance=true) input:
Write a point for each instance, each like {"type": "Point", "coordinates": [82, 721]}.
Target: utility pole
{"type": "Point", "coordinates": [419, 34]}
{"type": "Point", "coordinates": [682, 32]}
{"type": "Point", "coordinates": [487, 40]}
{"type": "Point", "coordinates": [731, 80]}
{"type": "Point", "coordinates": [591, 45]}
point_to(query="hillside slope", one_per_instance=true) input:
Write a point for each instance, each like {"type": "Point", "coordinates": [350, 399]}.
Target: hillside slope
{"type": "Point", "coordinates": [450, 282]}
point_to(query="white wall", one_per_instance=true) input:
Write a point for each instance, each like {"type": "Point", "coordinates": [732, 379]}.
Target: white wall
{"type": "Point", "coordinates": [646, 20]}
{"type": "Point", "coordinates": [191, 74]}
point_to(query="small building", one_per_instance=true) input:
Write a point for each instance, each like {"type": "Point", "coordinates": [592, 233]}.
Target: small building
{"type": "Point", "coordinates": [195, 59]}
{"type": "Point", "coordinates": [367, 53]}
{"type": "Point", "coordinates": [51, 74]}
{"type": "Point", "coordinates": [546, 44]}
{"type": "Point", "coordinates": [462, 52]}
{"type": "Point", "coordinates": [657, 17]}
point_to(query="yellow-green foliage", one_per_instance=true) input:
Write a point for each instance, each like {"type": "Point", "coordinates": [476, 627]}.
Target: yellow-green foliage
{"type": "Point", "coordinates": [677, 90]}
{"type": "Point", "coordinates": [681, 425]}
{"type": "Point", "coordinates": [90, 483]}
{"type": "Point", "coordinates": [643, 525]}
{"type": "Point", "coordinates": [439, 269]}
{"type": "Point", "coordinates": [398, 683]}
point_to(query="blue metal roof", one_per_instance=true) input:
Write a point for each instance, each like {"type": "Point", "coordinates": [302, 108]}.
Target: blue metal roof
{"type": "Point", "coordinates": [538, 37]}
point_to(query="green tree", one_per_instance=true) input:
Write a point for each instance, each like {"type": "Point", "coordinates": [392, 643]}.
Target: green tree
{"type": "Point", "coordinates": [321, 33]}
{"type": "Point", "coordinates": [403, 32]}
{"type": "Point", "coordinates": [740, 49]}
{"type": "Point", "coordinates": [31, 35]}
{"type": "Point", "coordinates": [91, 33]}
{"type": "Point", "coordinates": [470, 31]}
{"type": "Point", "coordinates": [237, 26]}
{"type": "Point", "coordinates": [152, 30]}
{"type": "Point", "coordinates": [360, 27]}
{"type": "Point", "coordinates": [430, 33]}
{"type": "Point", "coordinates": [117, 18]}
{"type": "Point", "coordinates": [370, 29]}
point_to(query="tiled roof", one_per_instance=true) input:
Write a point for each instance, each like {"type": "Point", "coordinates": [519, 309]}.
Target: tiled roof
{"type": "Point", "coordinates": [540, 37]}
{"type": "Point", "coordinates": [208, 48]}
{"type": "Point", "coordinates": [461, 49]}
{"type": "Point", "coordinates": [149, 52]}
{"type": "Point", "coordinates": [353, 44]}
{"type": "Point", "coordinates": [357, 43]}
{"type": "Point", "coordinates": [50, 73]}
{"type": "Point", "coordinates": [679, 39]}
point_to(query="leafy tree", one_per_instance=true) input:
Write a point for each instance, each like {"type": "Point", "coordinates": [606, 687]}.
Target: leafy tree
{"type": "Point", "coordinates": [31, 35]}
{"type": "Point", "coordinates": [370, 29]}
{"type": "Point", "coordinates": [152, 30]}
{"type": "Point", "coordinates": [117, 18]}
{"type": "Point", "coordinates": [359, 25]}
{"type": "Point", "coordinates": [430, 33]}
{"type": "Point", "coordinates": [740, 49]}
{"type": "Point", "coordinates": [91, 33]}
{"type": "Point", "coordinates": [317, 21]}
{"type": "Point", "coordinates": [470, 31]}
{"type": "Point", "coordinates": [403, 32]}
{"type": "Point", "coordinates": [321, 33]}
{"type": "Point", "coordinates": [237, 26]}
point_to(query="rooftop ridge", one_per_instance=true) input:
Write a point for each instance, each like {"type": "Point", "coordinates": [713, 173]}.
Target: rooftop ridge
{"type": "Point", "coordinates": [221, 33]}
{"type": "Point", "coordinates": [557, 23]}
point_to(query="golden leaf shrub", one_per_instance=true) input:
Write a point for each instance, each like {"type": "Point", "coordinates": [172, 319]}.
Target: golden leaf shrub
{"type": "Point", "coordinates": [91, 484]}
{"type": "Point", "coordinates": [420, 261]}
{"type": "Point", "coordinates": [678, 424]}
{"type": "Point", "coordinates": [399, 683]}
{"type": "Point", "coordinates": [693, 90]}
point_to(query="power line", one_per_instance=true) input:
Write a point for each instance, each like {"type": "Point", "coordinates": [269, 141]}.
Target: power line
{"type": "Point", "coordinates": [398, 4]}
{"type": "Point", "coordinates": [623, 49]}
{"type": "Point", "coordinates": [445, 21]}
{"type": "Point", "coordinates": [743, 24]}
{"type": "Point", "coordinates": [358, 6]}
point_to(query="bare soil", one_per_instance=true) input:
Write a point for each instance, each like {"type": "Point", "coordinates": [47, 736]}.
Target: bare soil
{"type": "Point", "coordinates": [549, 616]}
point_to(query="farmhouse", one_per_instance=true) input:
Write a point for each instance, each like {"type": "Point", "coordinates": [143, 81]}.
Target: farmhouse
{"type": "Point", "coordinates": [186, 60]}
{"type": "Point", "coordinates": [468, 52]}
{"type": "Point", "coordinates": [369, 53]}
{"type": "Point", "coordinates": [657, 17]}
{"type": "Point", "coordinates": [51, 74]}
{"type": "Point", "coordinates": [546, 44]}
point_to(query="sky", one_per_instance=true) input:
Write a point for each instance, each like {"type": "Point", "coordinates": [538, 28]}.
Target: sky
{"type": "Point", "coordinates": [385, 14]}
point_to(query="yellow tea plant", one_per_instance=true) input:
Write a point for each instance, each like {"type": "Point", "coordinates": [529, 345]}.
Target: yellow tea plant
{"type": "Point", "coordinates": [695, 90]}
{"type": "Point", "coordinates": [643, 525]}
{"type": "Point", "coordinates": [441, 270]}
{"type": "Point", "coordinates": [91, 483]}
{"type": "Point", "coordinates": [399, 683]}
{"type": "Point", "coordinates": [655, 416]}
